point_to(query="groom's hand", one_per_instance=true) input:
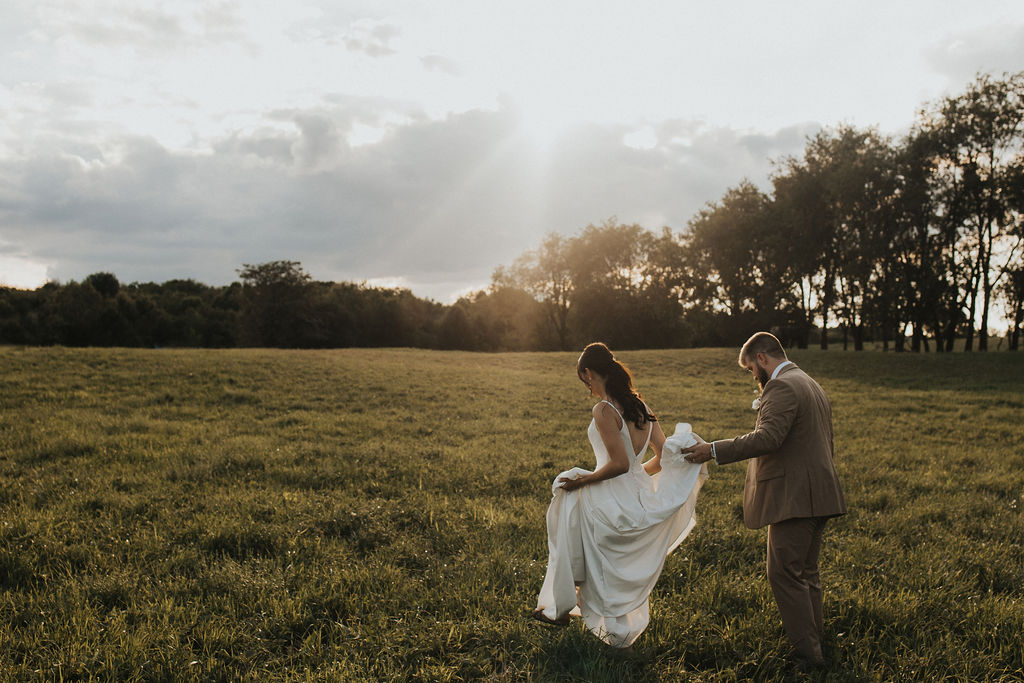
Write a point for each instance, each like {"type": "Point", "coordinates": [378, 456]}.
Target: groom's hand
{"type": "Point", "coordinates": [697, 454]}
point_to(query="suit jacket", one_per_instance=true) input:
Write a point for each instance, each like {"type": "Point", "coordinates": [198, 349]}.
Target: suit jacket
{"type": "Point", "coordinates": [791, 472]}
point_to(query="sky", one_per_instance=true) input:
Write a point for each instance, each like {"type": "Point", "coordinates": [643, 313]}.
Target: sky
{"type": "Point", "coordinates": [422, 145]}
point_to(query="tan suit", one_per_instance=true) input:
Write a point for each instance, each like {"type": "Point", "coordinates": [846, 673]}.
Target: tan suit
{"type": "Point", "coordinates": [792, 486]}
{"type": "Point", "coordinates": [790, 473]}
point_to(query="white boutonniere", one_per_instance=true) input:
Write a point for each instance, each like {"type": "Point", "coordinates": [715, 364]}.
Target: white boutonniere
{"type": "Point", "coordinates": [756, 405]}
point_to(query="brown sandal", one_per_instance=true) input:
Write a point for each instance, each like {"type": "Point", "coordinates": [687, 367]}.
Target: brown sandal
{"type": "Point", "coordinates": [539, 615]}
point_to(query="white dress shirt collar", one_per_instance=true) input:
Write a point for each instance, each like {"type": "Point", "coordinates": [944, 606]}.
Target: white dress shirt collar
{"type": "Point", "coordinates": [779, 367]}
{"type": "Point", "coordinates": [775, 373]}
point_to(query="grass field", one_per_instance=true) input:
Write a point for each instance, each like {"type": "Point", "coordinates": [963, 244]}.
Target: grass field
{"type": "Point", "coordinates": [379, 514]}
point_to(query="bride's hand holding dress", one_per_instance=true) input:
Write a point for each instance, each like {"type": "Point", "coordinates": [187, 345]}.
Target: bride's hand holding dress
{"type": "Point", "coordinates": [618, 462]}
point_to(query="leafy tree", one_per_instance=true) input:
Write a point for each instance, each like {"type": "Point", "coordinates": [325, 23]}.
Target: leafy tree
{"type": "Point", "coordinates": [978, 163]}
{"type": "Point", "coordinates": [734, 252]}
{"type": "Point", "coordinates": [831, 159]}
{"type": "Point", "coordinates": [16, 309]}
{"type": "Point", "coordinates": [919, 287]}
{"type": "Point", "coordinates": [618, 283]}
{"type": "Point", "coordinates": [608, 274]}
{"type": "Point", "coordinates": [504, 319]}
{"type": "Point", "coordinates": [866, 231]}
{"type": "Point", "coordinates": [738, 257]}
{"type": "Point", "coordinates": [546, 274]}
{"type": "Point", "coordinates": [456, 331]}
{"type": "Point", "coordinates": [276, 310]}
{"type": "Point", "coordinates": [104, 283]}
{"type": "Point", "coordinates": [75, 313]}
{"type": "Point", "coordinates": [1013, 294]}
{"type": "Point", "coordinates": [800, 206]}
{"type": "Point", "coordinates": [662, 288]}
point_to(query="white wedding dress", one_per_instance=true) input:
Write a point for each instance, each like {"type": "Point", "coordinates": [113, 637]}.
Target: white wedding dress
{"type": "Point", "coordinates": [611, 538]}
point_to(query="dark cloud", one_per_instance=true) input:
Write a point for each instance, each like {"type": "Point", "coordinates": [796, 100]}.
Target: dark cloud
{"type": "Point", "coordinates": [439, 203]}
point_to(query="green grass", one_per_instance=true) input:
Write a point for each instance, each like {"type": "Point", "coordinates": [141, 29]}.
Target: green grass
{"type": "Point", "coordinates": [379, 514]}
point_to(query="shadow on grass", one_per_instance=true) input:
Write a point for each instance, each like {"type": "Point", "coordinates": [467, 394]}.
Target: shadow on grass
{"type": "Point", "coordinates": [574, 654]}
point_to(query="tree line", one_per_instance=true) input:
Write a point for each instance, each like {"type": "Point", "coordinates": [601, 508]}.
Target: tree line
{"type": "Point", "coordinates": [274, 304]}
{"type": "Point", "coordinates": [912, 242]}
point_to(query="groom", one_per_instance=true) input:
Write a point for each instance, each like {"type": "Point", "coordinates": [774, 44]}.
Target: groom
{"type": "Point", "coordinates": [791, 483]}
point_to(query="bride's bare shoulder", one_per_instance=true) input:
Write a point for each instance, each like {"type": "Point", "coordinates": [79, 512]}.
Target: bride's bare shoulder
{"type": "Point", "coordinates": [606, 413]}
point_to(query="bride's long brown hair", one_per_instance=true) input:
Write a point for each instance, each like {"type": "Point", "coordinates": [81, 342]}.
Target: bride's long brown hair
{"type": "Point", "coordinates": [618, 382]}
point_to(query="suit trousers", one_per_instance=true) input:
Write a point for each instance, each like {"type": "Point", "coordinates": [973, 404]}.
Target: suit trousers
{"type": "Point", "coordinates": [793, 547]}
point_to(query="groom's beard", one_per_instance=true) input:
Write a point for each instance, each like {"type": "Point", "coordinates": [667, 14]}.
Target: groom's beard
{"type": "Point", "coordinates": [762, 377]}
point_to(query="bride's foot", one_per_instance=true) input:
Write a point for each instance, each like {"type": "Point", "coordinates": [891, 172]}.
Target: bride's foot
{"type": "Point", "coordinates": [539, 615]}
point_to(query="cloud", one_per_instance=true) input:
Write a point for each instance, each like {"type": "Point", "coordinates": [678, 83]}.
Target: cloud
{"type": "Point", "coordinates": [113, 24]}
{"type": "Point", "coordinates": [439, 63]}
{"type": "Point", "coordinates": [135, 26]}
{"type": "Point", "coordinates": [221, 21]}
{"type": "Point", "coordinates": [437, 204]}
{"type": "Point", "coordinates": [994, 49]}
{"type": "Point", "coordinates": [371, 37]}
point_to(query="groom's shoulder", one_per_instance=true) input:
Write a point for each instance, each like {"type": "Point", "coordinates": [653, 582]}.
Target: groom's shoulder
{"type": "Point", "coordinates": [789, 372]}
{"type": "Point", "coordinates": [793, 372]}
{"type": "Point", "coordinates": [797, 377]}
{"type": "Point", "coordinates": [793, 376]}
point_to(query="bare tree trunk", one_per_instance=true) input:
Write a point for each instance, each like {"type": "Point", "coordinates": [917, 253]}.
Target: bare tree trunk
{"type": "Point", "coordinates": [827, 297]}
{"type": "Point", "coordinates": [946, 340]}
{"type": "Point", "coordinates": [986, 289]}
{"type": "Point", "coordinates": [983, 333]}
{"type": "Point", "coordinates": [969, 338]}
{"type": "Point", "coordinates": [972, 303]}
{"type": "Point", "coordinates": [1018, 319]}
{"type": "Point", "coordinates": [807, 324]}
{"type": "Point", "coordinates": [558, 316]}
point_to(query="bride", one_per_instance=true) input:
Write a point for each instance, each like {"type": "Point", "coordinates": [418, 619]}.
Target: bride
{"type": "Point", "coordinates": [610, 529]}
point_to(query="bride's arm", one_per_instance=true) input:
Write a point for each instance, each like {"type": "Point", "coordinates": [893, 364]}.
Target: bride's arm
{"type": "Point", "coordinates": [653, 466]}
{"type": "Point", "coordinates": [618, 462]}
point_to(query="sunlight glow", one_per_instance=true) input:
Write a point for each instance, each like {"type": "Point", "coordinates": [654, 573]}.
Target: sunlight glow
{"type": "Point", "coordinates": [361, 134]}
{"type": "Point", "coordinates": [389, 282]}
{"type": "Point", "coordinates": [21, 273]}
{"type": "Point", "coordinates": [543, 119]}
{"type": "Point", "coordinates": [644, 138]}
{"type": "Point", "coordinates": [370, 134]}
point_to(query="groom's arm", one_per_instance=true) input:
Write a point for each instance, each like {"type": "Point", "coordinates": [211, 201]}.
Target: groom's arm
{"type": "Point", "coordinates": [778, 410]}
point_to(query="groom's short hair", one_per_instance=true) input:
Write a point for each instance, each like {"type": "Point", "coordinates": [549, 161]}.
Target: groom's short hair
{"type": "Point", "coordinates": [762, 342]}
